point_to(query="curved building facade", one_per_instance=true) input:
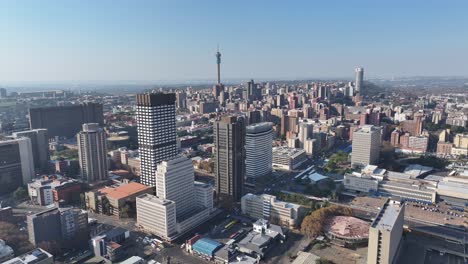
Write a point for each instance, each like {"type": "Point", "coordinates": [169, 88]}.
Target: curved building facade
{"type": "Point", "coordinates": [258, 149]}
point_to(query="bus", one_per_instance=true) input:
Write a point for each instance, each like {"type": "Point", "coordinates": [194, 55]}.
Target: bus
{"type": "Point", "coordinates": [231, 224]}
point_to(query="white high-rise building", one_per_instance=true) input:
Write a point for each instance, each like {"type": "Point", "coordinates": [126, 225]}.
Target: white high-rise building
{"type": "Point", "coordinates": [258, 149]}
{"type": "Point", "coordinates": [180, 205]}
{"type": "Point", "coordinates": [366, 146]}
{"type": "Point", "coordinates": [92, 153]}
{"type": "Point", "coordinates": [359, 79]}
{"type": "Point", "coordinates": [174, 181]}
{"type": "Point", "coordinates": [156, 132]}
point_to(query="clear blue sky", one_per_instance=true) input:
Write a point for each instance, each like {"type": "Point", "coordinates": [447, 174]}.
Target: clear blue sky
{"type": "Point", "coordinates": [112, 40]}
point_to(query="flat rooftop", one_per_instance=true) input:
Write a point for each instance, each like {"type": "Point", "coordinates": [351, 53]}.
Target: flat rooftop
{"type": "Point", "coordinates": [154, 199]}
{"type": "Point", "coordinates": [124, 190]}
{"type": "Point", "coordinates": [387, 217]}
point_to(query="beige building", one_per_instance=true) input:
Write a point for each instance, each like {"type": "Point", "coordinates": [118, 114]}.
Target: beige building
{"type": "Point", "coordinates": [118, 197]}
{"type": "Point", "coordinates": [267, 207]}
{"type": "Point", "coordinates": [366, 146]}
{"type": "Point", "coordinates": [92, 153]}
{"type": "Point", "coordinates": [157, 216]}
{"type": "Point", "coordinates": [385, 234]}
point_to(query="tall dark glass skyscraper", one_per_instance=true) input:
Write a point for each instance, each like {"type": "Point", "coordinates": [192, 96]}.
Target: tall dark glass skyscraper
{"type": "Point", "coordinates": [229, 140]}
{"type": "Point", "coordinates": [156, 132]}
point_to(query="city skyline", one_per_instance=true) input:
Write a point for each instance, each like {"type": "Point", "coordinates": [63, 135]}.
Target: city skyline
{"type": "Point", "coordinates": [147, 41]}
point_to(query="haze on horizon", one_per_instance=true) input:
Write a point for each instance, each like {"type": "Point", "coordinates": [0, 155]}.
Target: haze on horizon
{"type": "Point", "coordinates": [144, 41]}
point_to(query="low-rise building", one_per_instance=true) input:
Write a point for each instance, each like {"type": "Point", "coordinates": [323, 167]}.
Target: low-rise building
{"type": "Point", "coordinates": [49, 190]}
{"type": "Point", "coordinates": [360, 182]}
{"type": "Point", "coordinates": [261, 239]}
{"type": "Point", "coordinates": [269, 208]}
{"type": "Point", "coordinates": [206, 248]}
{"type": "Point", "coordinates": [6, 252]}
{"type": "Point", "coordinates": [117, 197]}
{"type": "Point", "coordinates": [285, 158]}
{"type": "Point", "coordinates": [36, 256]}
{"type": "Point", "coordinates": [109, 244]}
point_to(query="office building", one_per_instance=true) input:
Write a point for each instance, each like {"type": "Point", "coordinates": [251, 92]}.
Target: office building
{"type": "Point", "coordinates": [160, 215]}
{"type": "Point", "coordinates": [359, 79]}
{"type": "Point", "coordinates": [40, 147]}
{"type": "Point", "coordinates": [366, 146]}
{"type": "Point", "coordinates": [267, 207]}
{"type": "Point", "coordinates": [59, 225]}
{"type": "Point", "coordinates": [156, 132]}
{"type": "Point", "coordinates": [157, 216]}
{"type": "Point", "coordinates": [254, 116]}
{"type": "Point", "coordinates": [285, 158]}
{"type": "Point", "coordinates": [16, 164]}
{"type": "Point", "coordinates": [181, 98]}
{"type": "Point", "coordinates": [174, 181]}
{"type": "Point", "coordinates": [46, 191]}
{"type": "Point", "coordinates": [385, 233]}
{"type": "Point", "coordinates": [229, 141]}
{"type": "Point", "coordinates": [65, 121]}
{"type": "Point", "coordinates": [258, 150]}
{"type": "Point", "coordinates": [92, 153]}
{"type": "Point", "coordinates": [36, 256]}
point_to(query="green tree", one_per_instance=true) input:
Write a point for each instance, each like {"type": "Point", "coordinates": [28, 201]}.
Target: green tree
{"type": "Point", "coordinates": [20, 194]}
{"type": "Point", "coordinates": [105, 204]}
{"type": "Point", "coordinates": [323, 261]}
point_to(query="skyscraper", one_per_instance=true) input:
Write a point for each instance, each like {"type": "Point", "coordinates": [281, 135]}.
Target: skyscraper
{"type": "Point", "coordinates": [359, 79]}
{"type": "Point", "coordinates": [16, 164]}
{"type": "Point", "coordinates": [174, 181]}
{"type": "Point", "coordinates": [40, 147]}
{"type": "Point", "coordinates": [92, 153]}
{"type": "Point", "coordinates": [65, 121]}
{"type": "Point", "coordinates": [258, 150]}
{"type": "Point", "coordinates": [229, 141]}
{"type": "Point", "coordinates": [366, 146]}
{"type": "Point", "coordinates": [156, 132]}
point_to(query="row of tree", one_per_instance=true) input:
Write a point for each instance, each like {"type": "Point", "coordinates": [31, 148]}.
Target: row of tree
{"type": "Point", "coordinates": [313, 224]}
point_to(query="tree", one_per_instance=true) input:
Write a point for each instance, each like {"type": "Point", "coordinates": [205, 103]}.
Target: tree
{"type": "Point", "coordinates": [16, 239]}
{"type": "Point", "coordinates": [313, 224]}
{"type": "Point", "coordinates": [20, 194]}
{"type": "Point", "coordinates": [105, 204]}
{"type": "Point", "coordinates": [126, 211]}
{"type": "Point", "coordinates": [323, 261]}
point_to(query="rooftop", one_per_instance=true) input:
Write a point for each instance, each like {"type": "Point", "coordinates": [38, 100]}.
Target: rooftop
{"type": "Point", "coordinates": [305, 258]}
{"type": "Point", "coordinates": [124, 190]}
{"type": "Point", "coordinates": [206, 246]}
{"type": "Point", "coordinates": [415, 170]}
{"type": "Point", "coordinates": [347, 226]}
{"type": "Point", "coordinates": [154, 199]}
{"type": "Point", "coordinates": [33, 256]}
{"type": "Point", "coordinates": [387, 216]}
{"type": "Point", "coordinates": [286, 151]}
